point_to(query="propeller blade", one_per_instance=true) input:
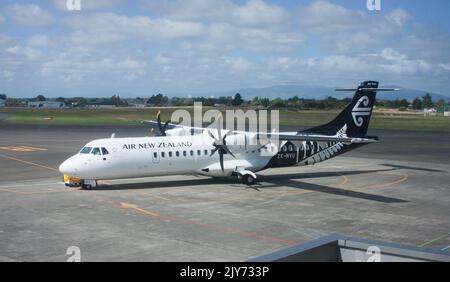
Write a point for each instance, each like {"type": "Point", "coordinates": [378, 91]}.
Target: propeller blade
{"type": "Point", "coordinates": [211, 135]}
{"type": "Point", "coordinates": [213, 151]}
{"type": "Point", "coordinates": [219, 127]}
{"type": "Point", "coordinates": [265, 146]}
{"type": "Point", "coordinates": [165, 126]}
{"type": "Point", "coordinates": [226, 135]}
{"type": "Point", "coordinates": [162, 130]}
{"type": "Point", "coordinates": [228, 151]}
{"type": "Point", "coordinates": [221, 160]}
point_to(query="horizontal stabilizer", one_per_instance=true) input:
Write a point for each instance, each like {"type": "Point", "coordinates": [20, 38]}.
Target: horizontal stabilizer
{"type": "Point", "coordinates": [369, 89]}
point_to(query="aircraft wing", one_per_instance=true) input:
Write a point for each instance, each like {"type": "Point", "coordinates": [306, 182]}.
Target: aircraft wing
{"type": "Point", "coordinates": [280, 136]}
{"type": "Point", "coordinates": [154, 124]}
{"type": "Point", "coordinates": [313, 138]}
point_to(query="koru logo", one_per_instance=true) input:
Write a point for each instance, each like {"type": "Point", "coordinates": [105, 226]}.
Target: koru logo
{"type": "Point", "coordinates": [360, 110]}
{"type": "Point", "coordinates": [73, 5]}
{"type": "Point", "coordinates": [374, 5]}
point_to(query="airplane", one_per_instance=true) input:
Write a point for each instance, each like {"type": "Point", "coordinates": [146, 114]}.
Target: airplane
{"type": "Point", "coordinates": [185, 150]}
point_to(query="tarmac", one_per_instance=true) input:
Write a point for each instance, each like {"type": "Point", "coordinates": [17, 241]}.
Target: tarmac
{"type": "Point", "coordinates": [396, 191]}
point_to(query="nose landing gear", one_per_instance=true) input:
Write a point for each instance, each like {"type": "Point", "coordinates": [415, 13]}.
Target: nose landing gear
{"type": "Point", "coordinates": [88, 184]}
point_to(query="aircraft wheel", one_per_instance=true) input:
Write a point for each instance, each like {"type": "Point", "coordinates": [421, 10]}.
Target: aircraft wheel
{"type": "Point", "coordinates": [248, 179]}
{"type": "Point", "coordinates": [86, 187]}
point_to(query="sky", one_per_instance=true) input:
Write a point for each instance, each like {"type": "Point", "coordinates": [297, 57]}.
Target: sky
{"type": "Point", "coordinates": [188, 47]}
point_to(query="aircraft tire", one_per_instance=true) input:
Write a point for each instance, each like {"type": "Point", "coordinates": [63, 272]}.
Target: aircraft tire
{"type": "Point", "coordinates": [248, 179]}
{"type": "Point", "coordinates": [86, 187]}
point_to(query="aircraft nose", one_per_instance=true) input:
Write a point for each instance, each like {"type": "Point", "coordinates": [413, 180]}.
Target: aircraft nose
{"type": "Point", "coordinates": [67, 168]}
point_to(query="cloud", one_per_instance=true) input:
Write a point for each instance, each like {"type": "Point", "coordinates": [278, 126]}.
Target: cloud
{"type": "Point", "coordinates": [215, 45]}
{"type": "Point", "coordinates": [5, 39]}
{"type": "Point", "coordinates": [39, 40]}
{"type": "Point", "coordinates": [322, 17]}
{"type": "Point", "coordinates": [2, 19]}
{"type": "Point", "coordinates": [89, 5]}
{"type": "Point", "coordinates": [27, 52]}
{"type": "Point", "coordinates": [386, 64]}
{"type": "Point", "coordinates": [251, 13]}
{"type": "Point", "coordinates": [398, 17]}
{"type": "Point", "coordinates": [7, 74]}
{"type": "Point", "coordinates": [104, 28]}
{"type": "Point", "coordinates": [29, 15]}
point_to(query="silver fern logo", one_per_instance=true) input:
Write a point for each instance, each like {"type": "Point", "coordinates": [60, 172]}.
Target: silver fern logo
{"type": "Point", "coordinates": [322, 151]}
{"type": "Point", "coordinates": [360, 110]}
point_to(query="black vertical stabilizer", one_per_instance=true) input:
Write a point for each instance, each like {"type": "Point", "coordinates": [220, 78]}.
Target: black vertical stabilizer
{"type": "Point", "coordinates": [356, 116]}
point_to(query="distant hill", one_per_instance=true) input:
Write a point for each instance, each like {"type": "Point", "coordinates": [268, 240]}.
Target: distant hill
{"type": "Point", "coordinates": [320, 92]}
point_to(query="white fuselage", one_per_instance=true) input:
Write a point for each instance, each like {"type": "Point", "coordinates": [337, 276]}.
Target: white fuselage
{"type": "Point", "coordinates": [117, 158]}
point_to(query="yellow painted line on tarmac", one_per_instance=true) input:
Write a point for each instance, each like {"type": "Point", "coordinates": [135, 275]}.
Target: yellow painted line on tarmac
{"type": "Point", "coordinates": [384, 185]}
{"type": "Point", "coordinates": [433, 240]}
{"type": "Point", "coordinates": [28, 162]}
{"type": "Point", "coordinates": [21, 148]}
{"type": "Point", "coordinates": [34, 148]}
{"type": "Point", "coordinates": [344, 179]}
{"type": "Point", "coordinates": [214, 227]}
{"type": "Point", "coordinates": [137, 208]}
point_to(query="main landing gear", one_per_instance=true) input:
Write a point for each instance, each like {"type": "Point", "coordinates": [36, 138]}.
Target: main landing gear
{"type": "Point", "coordinates": [248, 179]}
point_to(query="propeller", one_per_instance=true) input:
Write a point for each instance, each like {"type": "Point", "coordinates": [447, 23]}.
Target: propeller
{"type": "Point", "coordinates": [220, 143]}
{"type": "Point", "coordinates": [162, 128]}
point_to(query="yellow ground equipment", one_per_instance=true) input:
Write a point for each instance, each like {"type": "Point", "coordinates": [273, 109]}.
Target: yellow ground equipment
{"type": "Point", "coordinates": [72, 181]}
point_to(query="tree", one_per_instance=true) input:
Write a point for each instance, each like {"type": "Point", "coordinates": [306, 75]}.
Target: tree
{"type": "Point", "coordinates": [157, 99]}
{"type": "Point", "coordinates": [237, 100]}
{"type": "Point", "coordinates": [417, 104]}
{"type": "Point", "coordinates": [115, 99]}
{"type": "Point", "coordinates": [427, 101]}
{"type": "Point", "coordinates": [265, 102]}
{"type": "Point", "coordinates": [40, 98]}
{"type": "Point", "coordinates": [277, 103]}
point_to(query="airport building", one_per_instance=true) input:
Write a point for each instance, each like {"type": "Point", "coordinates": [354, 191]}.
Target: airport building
{"type": "Point", "coordinates": [46, 104]}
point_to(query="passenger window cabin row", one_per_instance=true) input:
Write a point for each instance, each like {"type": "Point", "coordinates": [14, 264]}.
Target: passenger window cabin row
{"type": "Point", "coordinates": [170, 154]}
{"type": "Point", "coordinates": [177, 154]}
{"type": "Point", "coordinates": [191, 153]}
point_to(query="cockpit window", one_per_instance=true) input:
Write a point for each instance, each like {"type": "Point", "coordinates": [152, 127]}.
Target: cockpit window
{"type": "Point", "coordinates": [86, 150]}
{"type": "Point", "coordinates": [104, 151]}
{"type": "Point", "coordinates": [96, 151]}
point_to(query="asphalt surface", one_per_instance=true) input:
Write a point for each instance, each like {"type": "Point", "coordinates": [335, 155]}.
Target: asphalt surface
{"type": "Point", "coordinates": [396, 191]}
